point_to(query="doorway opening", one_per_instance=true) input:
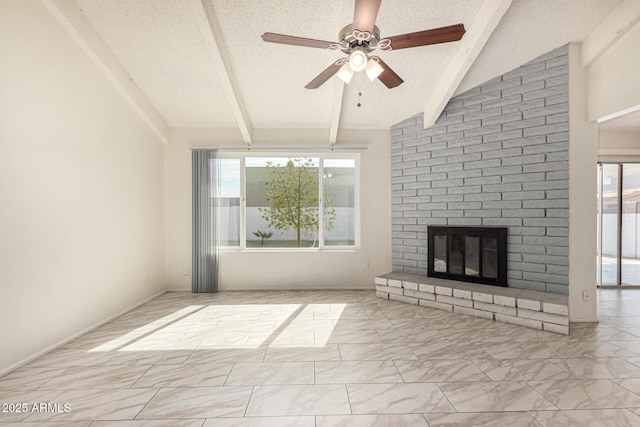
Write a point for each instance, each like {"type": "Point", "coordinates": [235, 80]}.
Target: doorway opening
{"type": "Point", "coordinates": [618, 224]}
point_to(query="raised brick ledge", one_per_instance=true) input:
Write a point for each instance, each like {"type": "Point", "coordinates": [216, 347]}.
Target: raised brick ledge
{"type": "Point", "coordinates": [532, 309]}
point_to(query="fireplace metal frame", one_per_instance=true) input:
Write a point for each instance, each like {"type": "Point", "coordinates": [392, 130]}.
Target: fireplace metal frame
{"type": "Point", "coordinates": [499, 233]}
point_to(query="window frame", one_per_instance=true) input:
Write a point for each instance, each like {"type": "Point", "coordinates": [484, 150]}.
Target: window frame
{"type": "Point", "coordinates": [242, 247]}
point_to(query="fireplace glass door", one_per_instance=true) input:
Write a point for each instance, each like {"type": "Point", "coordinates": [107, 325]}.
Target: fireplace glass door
{"type": "Point", "coordinates": [473, 254]}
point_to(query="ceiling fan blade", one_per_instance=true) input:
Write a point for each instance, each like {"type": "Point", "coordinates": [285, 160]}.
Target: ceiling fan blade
{"type": "Point", "coordinates": [389, 77]}
{"type": "Point", "coordinates": [325, 75]}
{"type": "Point", "coordinates": [296, 41]}
{"type": "Point", "coordinates": [365, 14]}
{"type": "Point", "coordinates": [451, 33]}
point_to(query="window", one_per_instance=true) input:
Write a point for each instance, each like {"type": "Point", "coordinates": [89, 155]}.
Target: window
{"type": "Point", "coordinates": [288, 202]}
{"type": "Point", "coordinates": [339, 178]}
{"type": "Point", "coordinates": [227, 200]}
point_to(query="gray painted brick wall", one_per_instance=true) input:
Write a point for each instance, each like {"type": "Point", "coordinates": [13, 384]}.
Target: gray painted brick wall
{"type": "Point", "coordinates": [497, 156]}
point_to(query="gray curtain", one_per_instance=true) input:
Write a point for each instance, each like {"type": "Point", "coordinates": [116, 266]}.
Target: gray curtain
{"type": "Point", "coordinates": [205, 227]}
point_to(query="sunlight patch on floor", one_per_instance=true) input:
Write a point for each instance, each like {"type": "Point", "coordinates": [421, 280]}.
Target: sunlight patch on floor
{"type": "Point", "coordinates": [233, 326]}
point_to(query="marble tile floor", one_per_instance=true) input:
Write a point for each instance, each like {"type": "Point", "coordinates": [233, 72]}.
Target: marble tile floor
{"type": "Point", "coordinates": [331, 358]}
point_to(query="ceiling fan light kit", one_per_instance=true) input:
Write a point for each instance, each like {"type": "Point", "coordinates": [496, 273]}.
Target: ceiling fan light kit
{"type": "Point", "coordinates": [373, 68]}
{"type": "Point", "coordinates": [361, 38]}
{"type": "Point", "coordinates": [345, 73]}
{"type": "Point", "coordinates": [358, 59]}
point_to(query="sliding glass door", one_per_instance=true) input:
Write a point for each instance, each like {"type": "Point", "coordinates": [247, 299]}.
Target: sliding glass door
{"type": "Point", "coordinates": [619, 224]}
{"type": "Point", "coordinates": [630, 224]}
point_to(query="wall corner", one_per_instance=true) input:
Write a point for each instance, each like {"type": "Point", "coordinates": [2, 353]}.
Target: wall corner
{"type": "Point", "coordinates": [583, 157]}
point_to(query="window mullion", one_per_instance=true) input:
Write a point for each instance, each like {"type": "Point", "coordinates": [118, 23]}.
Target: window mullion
{"type": "Point", "coordinates": [357, 194]}
{"type": "Point", "coordinates": [243, 205]}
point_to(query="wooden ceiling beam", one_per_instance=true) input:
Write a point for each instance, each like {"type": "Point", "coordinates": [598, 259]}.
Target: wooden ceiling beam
{"type": "Point", "coordinates": [75, 22]}
{"type": "Point", "coordinates": [477, 35]}
{"type": "Point", "coordinates": [208, 24]}
{"type": "Point", "coordinates": [338, 88]}
{"type": "Point", "coordinates": [610, 30]}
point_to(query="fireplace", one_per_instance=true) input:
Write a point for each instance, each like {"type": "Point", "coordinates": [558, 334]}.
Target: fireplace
{"type": "Point", "coordinates": [470, 254]}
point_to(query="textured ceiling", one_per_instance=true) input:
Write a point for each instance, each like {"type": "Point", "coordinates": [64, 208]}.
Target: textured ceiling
{"type": "Point", "coordinates": [160, 44]}
{"type": "Point", "coordinates": [531, 28]}
{"type": "Point", "coordinates": [272, 76]}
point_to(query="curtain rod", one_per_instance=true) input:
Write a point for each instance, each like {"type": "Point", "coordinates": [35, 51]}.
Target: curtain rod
{"type": "Point", "coordinates": [315, 148]}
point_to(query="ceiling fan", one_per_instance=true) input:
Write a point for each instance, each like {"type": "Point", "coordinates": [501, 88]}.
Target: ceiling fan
{"type": "Point", "coordinates": [360, 39]}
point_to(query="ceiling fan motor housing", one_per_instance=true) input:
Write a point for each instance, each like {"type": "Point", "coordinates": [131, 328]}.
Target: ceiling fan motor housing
{"type": "Point", "coordinates": [350, 39]}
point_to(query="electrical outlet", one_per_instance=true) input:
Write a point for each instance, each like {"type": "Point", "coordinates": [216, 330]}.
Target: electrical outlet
{"type": "Point", "coordinates": [586, 296]}
{"type": "Point", "coordinates": [145, 274]}
{"type": "Point", "coordinates": [186, 271]}
{"type": "Point", "coordinates": [365, 264]}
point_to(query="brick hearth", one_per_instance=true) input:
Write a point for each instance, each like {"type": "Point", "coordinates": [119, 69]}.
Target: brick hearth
{"type": "Point", "coordinates": [532, 309]}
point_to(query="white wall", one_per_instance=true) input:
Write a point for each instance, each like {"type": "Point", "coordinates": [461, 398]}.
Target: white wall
{"type": "Point", "coordinates": [81, 190]}
{"type": "Point", "coordinates": [284, 269]}
{"type": "Point", "coordinates": [583, 157]}
{"type": "Point", "coordinates": [613, 84]}
{"type": "Point", "coordinates": [619, 140]}
{"type": "Point", "coordinates": [607, 87]}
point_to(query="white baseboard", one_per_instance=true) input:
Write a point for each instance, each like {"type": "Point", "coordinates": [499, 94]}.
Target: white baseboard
{"type": "Point", "coordinates": [74, 336]}
{"type": "Point", "coordinates": [293, 288]}
{"type": "Point", "coordinates": [282, 288]}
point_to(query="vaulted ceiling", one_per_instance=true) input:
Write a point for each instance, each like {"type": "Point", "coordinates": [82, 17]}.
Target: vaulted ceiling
{"type": "Point", "coordinates": [202, 63]}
